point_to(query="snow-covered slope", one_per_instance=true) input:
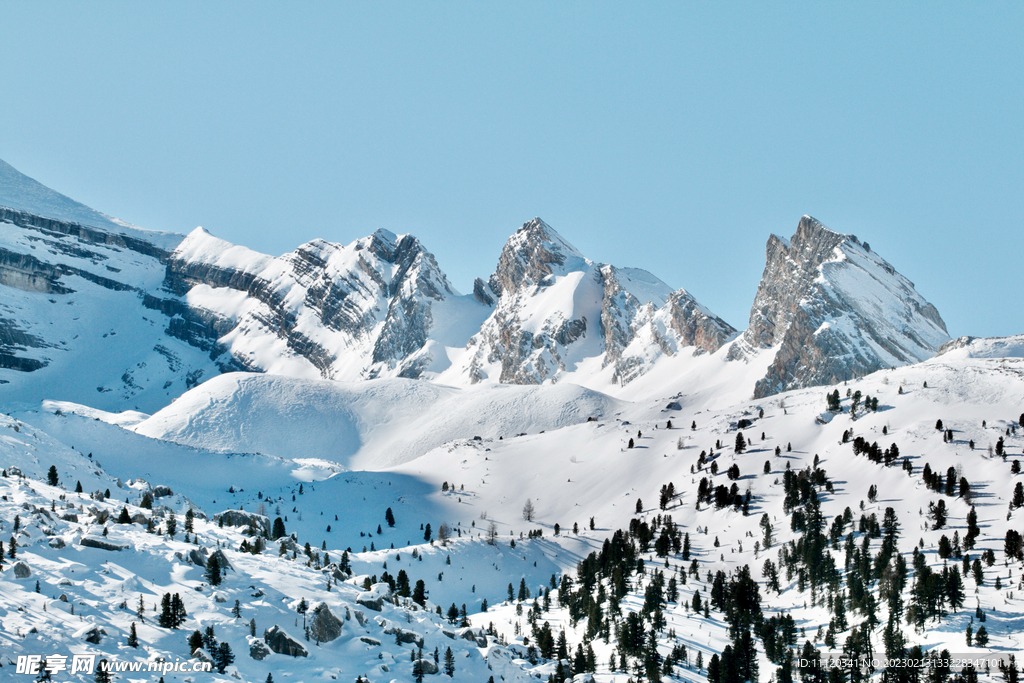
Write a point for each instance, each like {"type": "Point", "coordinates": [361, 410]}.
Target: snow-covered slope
{"type": "Point", "coordinates": [360, 425]}
{"type": "Point", "coordinates": [24, 194]}
{"type": "Point", "coordinates": [835, 310]}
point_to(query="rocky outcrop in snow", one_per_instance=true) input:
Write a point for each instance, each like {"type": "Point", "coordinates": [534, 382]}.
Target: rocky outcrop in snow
{"type": "Point", "coordinates": [834, 310]}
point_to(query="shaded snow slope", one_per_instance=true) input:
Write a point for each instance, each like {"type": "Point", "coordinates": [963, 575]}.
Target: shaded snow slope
{"type": "Point", "coordinates": [360, 425]}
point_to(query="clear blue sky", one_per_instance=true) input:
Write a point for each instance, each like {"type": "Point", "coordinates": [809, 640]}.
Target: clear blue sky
{"type": "Point", "coordinates": [673, 137]}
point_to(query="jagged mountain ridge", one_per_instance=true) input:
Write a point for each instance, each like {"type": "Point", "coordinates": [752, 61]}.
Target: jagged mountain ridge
{"type": "Point", "coordinates": [827, 308]}
{"type": "Point", "coordinates": [380, 306]}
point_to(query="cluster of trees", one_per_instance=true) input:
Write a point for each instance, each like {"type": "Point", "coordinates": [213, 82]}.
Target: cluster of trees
{"type": "Point", "coordinates": [951, 485]}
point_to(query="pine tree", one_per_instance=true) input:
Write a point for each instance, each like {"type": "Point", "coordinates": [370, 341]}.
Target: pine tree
{"type": "Point", "coordinates": [133, 637]}
{"type": "Point", "coordinates": [78, 487]}
{"type": "Point", "coordinates": [389, 516]}
{"type": "Point", "coordinates": [278, 530]}
{"type": "Point", "coordinates": [213, 573]}
{"type": "Point", "coordinates": [51, 476]}
{"type": "Point", "coordinates": [741, 443]}
{"type": "Point", "coordinates": [419, 593]}
{"type": "Point", "coordinates": [449, 662]}
{"type": "Point", "coordinates": [223, 657]}
{"type": "Point", "coordinates": [103, 672]}
{"type": "Point", "coordinates": [190, 518]}
{"type": "Point", "coordinates": [172, 525]}
{"type": "Point", "coordinates": [195, 641]}
{"type": "Point", "coordinates": [124, 517]}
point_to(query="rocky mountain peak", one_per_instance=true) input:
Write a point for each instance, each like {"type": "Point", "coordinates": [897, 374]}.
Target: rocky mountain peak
{"type": "Point", "coordinates": [835, 310]}
{"type": "Point", "coordinates": [533, 253]}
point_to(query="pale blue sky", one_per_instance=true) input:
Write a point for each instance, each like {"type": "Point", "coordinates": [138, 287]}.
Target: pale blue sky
{"type": "Point", "coordinates": [673, 137]}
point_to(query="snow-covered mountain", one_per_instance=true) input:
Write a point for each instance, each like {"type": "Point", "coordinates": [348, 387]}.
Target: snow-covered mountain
{"type": "Point", "coordinates": [834, 310]}
{"type": "Point", "coordinates": [379, 307]}
{"type": "Point", "coordinates": [559, 315]}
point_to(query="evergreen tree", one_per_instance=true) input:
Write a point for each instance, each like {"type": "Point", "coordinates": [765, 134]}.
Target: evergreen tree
{"type": "Point", "coordinates": [78, 487]}
{"type": "Point", "coordinates": [190, 518]}
{"type": "Point", "coordinates": [51, 476]}
{"type": "Point", "coordinates": [419, 593]}
{"type": "Point", "coordinates": [278, 530]}
{"type": "Point", "coordinates": [213, 573]}
{"type": "Point", "coordinates": [741, 443]}
{"type": "Point", "coordinates": [172, 525]}
{"type": "Point", "coordinates": [124, 517]}
{"type": "Point", "coordinates": [133, 637]}
{"type": "Point", "coordinates": [449, 662]}
{"type": "Point", "coordinates": [389, 516]}
{"type": "Point", "coordinates": [223, 657]}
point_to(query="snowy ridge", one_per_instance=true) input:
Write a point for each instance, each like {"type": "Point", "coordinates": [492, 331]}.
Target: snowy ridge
{"type": "Point", "coordinates": [18, 191]}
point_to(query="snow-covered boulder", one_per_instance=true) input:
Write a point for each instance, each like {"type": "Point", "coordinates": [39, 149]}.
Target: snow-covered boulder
{"type": "Point", "coordinates": [283, 644]}
{"type": "Point", "coordinates": [258, 649]}
{"type": "Point", "coordinates": [427, 666]}
{"type": "Point", "coordinates": [375, 597]}
{"type": "Point", "coordinates": [21, 571]}
{"type": "Point", "coordinates": [95, 635]}
{"type": "Point", "coordinates": [324, 627]}
{"type": "Point", "coordinates": [243, 518]}
{"type": "Point", "coordinates": [57, 542]}
{"type": "Point", "coordinates": [476, 635]}
{"type": "Point", "coordinates": [222, 560]}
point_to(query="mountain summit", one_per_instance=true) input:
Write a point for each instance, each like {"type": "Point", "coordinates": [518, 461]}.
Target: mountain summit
{"type": "Point", "coordinates": [559, 314]}
{"type": "Point", "coordinates": [835, 310]}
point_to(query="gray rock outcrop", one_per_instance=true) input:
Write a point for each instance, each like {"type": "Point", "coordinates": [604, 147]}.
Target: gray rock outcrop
{"type": "Point", "coordinates": [283, 644]}
{"type": "Point", "coordinates": [324, 626]}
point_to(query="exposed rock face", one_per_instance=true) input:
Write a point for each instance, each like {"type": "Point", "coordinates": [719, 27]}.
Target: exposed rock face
{"type": "Point", "coordinates": [22, 571]}
{"type": "Point", "coordinates": [283, 644]}
{"type": "Point", "coordinates": [324, 626]}
{"type": "Point", "coordinates": [835, 310]}
{"type": "Point", "coordinates": [102, 543]}
{"type": "Point", "coordinates": [335, 311]}
{"type": "Point", "coordinates": [555, 309]}
{"type": "Point", "coordinates": [65, 284]}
